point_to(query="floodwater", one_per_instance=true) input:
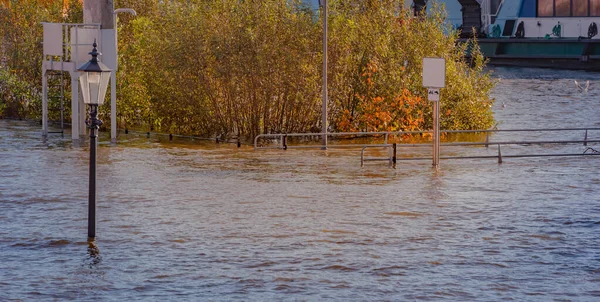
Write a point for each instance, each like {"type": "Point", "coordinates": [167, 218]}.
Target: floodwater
{"type": "Point", "coordinates": [195, 221]}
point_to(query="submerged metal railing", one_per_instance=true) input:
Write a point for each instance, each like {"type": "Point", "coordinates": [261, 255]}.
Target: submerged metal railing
{"type": "Point", "coordinates": [283, 143]}
{"type": "Point", "coordinates": [282, 138]}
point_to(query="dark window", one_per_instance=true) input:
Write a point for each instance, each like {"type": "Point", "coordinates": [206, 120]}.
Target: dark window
{"type": "Point", "coordinates": [580, 8]}
{"type": "Point", "coordinates": [563, 8]}
{"type": "Point", "coordinates": [568, 8]}
{"type": "Point", "coordinates": [509, 25]}
{"type": "Point", "coordinates": [594, 8]}
{"type": "Point", "coordinates": [545, 8]}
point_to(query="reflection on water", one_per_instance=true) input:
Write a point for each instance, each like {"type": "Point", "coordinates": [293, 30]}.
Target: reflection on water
{"type": "Point", "coordinates": [204, 222]}
{"type": "Point", "coordinates": [94, 254]}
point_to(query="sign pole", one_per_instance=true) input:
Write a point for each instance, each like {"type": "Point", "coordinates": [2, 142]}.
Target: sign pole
{"type": "Point", "coordinates": [324, 106]}
{"type": "Point", "coordinates": [434, 77]}
{"type": "Point", "coordinates": [436, 134]}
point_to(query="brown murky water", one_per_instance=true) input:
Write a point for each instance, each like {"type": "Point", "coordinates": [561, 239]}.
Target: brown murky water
{"type": "Point", "coordinates": [194, 221]}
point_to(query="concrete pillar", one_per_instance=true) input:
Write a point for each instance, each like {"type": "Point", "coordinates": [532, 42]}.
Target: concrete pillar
{"type": "Point", "coordinates": [99, 11]}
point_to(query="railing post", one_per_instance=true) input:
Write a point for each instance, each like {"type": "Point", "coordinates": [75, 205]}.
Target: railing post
{"type": "Point", "coordinates": [499, 155]}
{"type": "Point", "coordinates": [256, 142]}
{"type": "Point", "coordinates": [487, 139]}
{"type": "Point", "coordinates": [386, 138]}
{"type": "Point", "coordinates": [394, 156]}
{"type": "Point", "coordinates": [585, 138]}
{"type": "Point", "coordinates": [362, 156]}
{"type": "Point", "coordinates": [284, 141]}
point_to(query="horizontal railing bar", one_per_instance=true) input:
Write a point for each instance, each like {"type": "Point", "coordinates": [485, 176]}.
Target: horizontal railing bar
{"type": "Point", "coordinates": [503, 143]}
{"type": "Point", "coordinates": [444, 144]}
{"type": "Point", "coordinates": [328, 134]}
{"type": "Point", "coordinates": [520, 130]}
{"type": "Point", "coordinates": [426, 131]}
{"type": "Point", "coordinates": [75, 24]}
{"type": "Point", "coordinates": [280, 135]}
{"type": "Point", "coordinates": [328, 146]}
{"type": "Point", "coordinates": [522, 143]}
{"type": "Point", "coordinates": [333, 146]}
{"type": "Point", "coordinates": [496, 156]}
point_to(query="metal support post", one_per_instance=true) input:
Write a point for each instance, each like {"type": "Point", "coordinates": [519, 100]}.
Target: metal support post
{"type": "Point", "coordinates": [113, 106]}
{"type": "Point", "coordinates": [324, 109]}
{"type": "Point", "coordinates": [44, 104]}
{"type": "Point", "coordinates": [499, 155]}
{"type": "Point", "coordinates": [436, 134]}
{"type": "Point", "coordinates": [394, 155]}
{"type": "Point", "coordinates": [93, 124]}
{"type": "Point", "coordinates": [75, 106]}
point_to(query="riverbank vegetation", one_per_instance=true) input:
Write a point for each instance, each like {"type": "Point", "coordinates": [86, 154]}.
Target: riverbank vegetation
{"type": "Point", "coordinates": [243, 68]}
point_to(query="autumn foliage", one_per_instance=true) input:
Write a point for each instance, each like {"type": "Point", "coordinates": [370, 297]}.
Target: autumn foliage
{"type": "Point", "coordinates": [233, 67]}
{"type": "Point", "coordinates": [401, 111]}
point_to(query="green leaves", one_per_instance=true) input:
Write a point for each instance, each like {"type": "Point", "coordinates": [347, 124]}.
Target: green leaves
{"type": "Point", "coordinates": [233, 67]}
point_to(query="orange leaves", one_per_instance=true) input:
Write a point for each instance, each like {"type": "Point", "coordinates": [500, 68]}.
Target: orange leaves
{"type": "Point", "coordinates": [382, 110]}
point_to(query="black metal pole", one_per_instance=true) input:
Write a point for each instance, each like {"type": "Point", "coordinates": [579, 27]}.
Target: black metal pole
{"type": "Point", "coordinates": [93, 124]}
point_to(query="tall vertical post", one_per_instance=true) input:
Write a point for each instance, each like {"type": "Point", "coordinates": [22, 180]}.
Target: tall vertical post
{"type": "Point", "coordinates": [436, 134]}
{"type": "Point", "coordinates": [113, 63]}
{"type": "Point", "coordinates": [434, 78]}
{"type": "Point", "coordinates": [324, 109]}
{"type": "Point", "coordinates": [94, 124]}
{"type": "Point", "coordinates": [113, 106]}
{"type": "Point", "coordinates": [75, 104]}
{"type": "Point", "coordinates": [44, 104]}
{"type": "Point", "coordinates": [94, 82]}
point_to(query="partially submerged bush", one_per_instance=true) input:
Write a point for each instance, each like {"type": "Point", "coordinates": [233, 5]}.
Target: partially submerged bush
{"type": "Point", "coordinates": [233, 67]}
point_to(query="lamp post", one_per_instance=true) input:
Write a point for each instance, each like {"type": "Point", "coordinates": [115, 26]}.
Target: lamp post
{"type": "Point", "coordinates": [113, 77]}
{"type": "Point", "coordinates": [94, 81]}
{"type": "Point", "coordinates": [324, 105]}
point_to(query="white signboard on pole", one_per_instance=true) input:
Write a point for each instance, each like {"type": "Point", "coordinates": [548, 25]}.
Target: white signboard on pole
{"type": "Point", "coordinates": [434, 72]}
{"type": "Point", "coordinates": [433, 94]}
{"type": "Point", "coordinates": [434, 78]}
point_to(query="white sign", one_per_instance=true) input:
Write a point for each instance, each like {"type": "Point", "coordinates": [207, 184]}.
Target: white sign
{"type": "Point", "coordinates": [433, 94]}
{"type": "Point", "coordinates": [53, 39]}
{"type": "Point", "coordinates": [434, 72]}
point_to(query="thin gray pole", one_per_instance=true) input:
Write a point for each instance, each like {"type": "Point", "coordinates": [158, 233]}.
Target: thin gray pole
{"type": "Point", "coordinates": [93, 125]}
{"type": "Point", "coordinates": [44, 104]}
{"type": "Point", "coordinates": [436, 134]}
{"type": "Point", "coordinates": [324, 109]}
{"type": "Point", "coordinates": [113, 106]}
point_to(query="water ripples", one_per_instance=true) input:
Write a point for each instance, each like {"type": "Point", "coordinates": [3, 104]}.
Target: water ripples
{"type": "Point", "coordinates": [199, 222]}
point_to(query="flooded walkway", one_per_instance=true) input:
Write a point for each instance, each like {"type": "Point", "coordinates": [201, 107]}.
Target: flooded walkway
{"type": "Point", "coordinates": [194, 221]}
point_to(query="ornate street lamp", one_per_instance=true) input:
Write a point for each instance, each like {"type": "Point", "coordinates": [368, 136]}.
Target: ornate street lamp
{"type": "Point", "coordinates": [94, 77]}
